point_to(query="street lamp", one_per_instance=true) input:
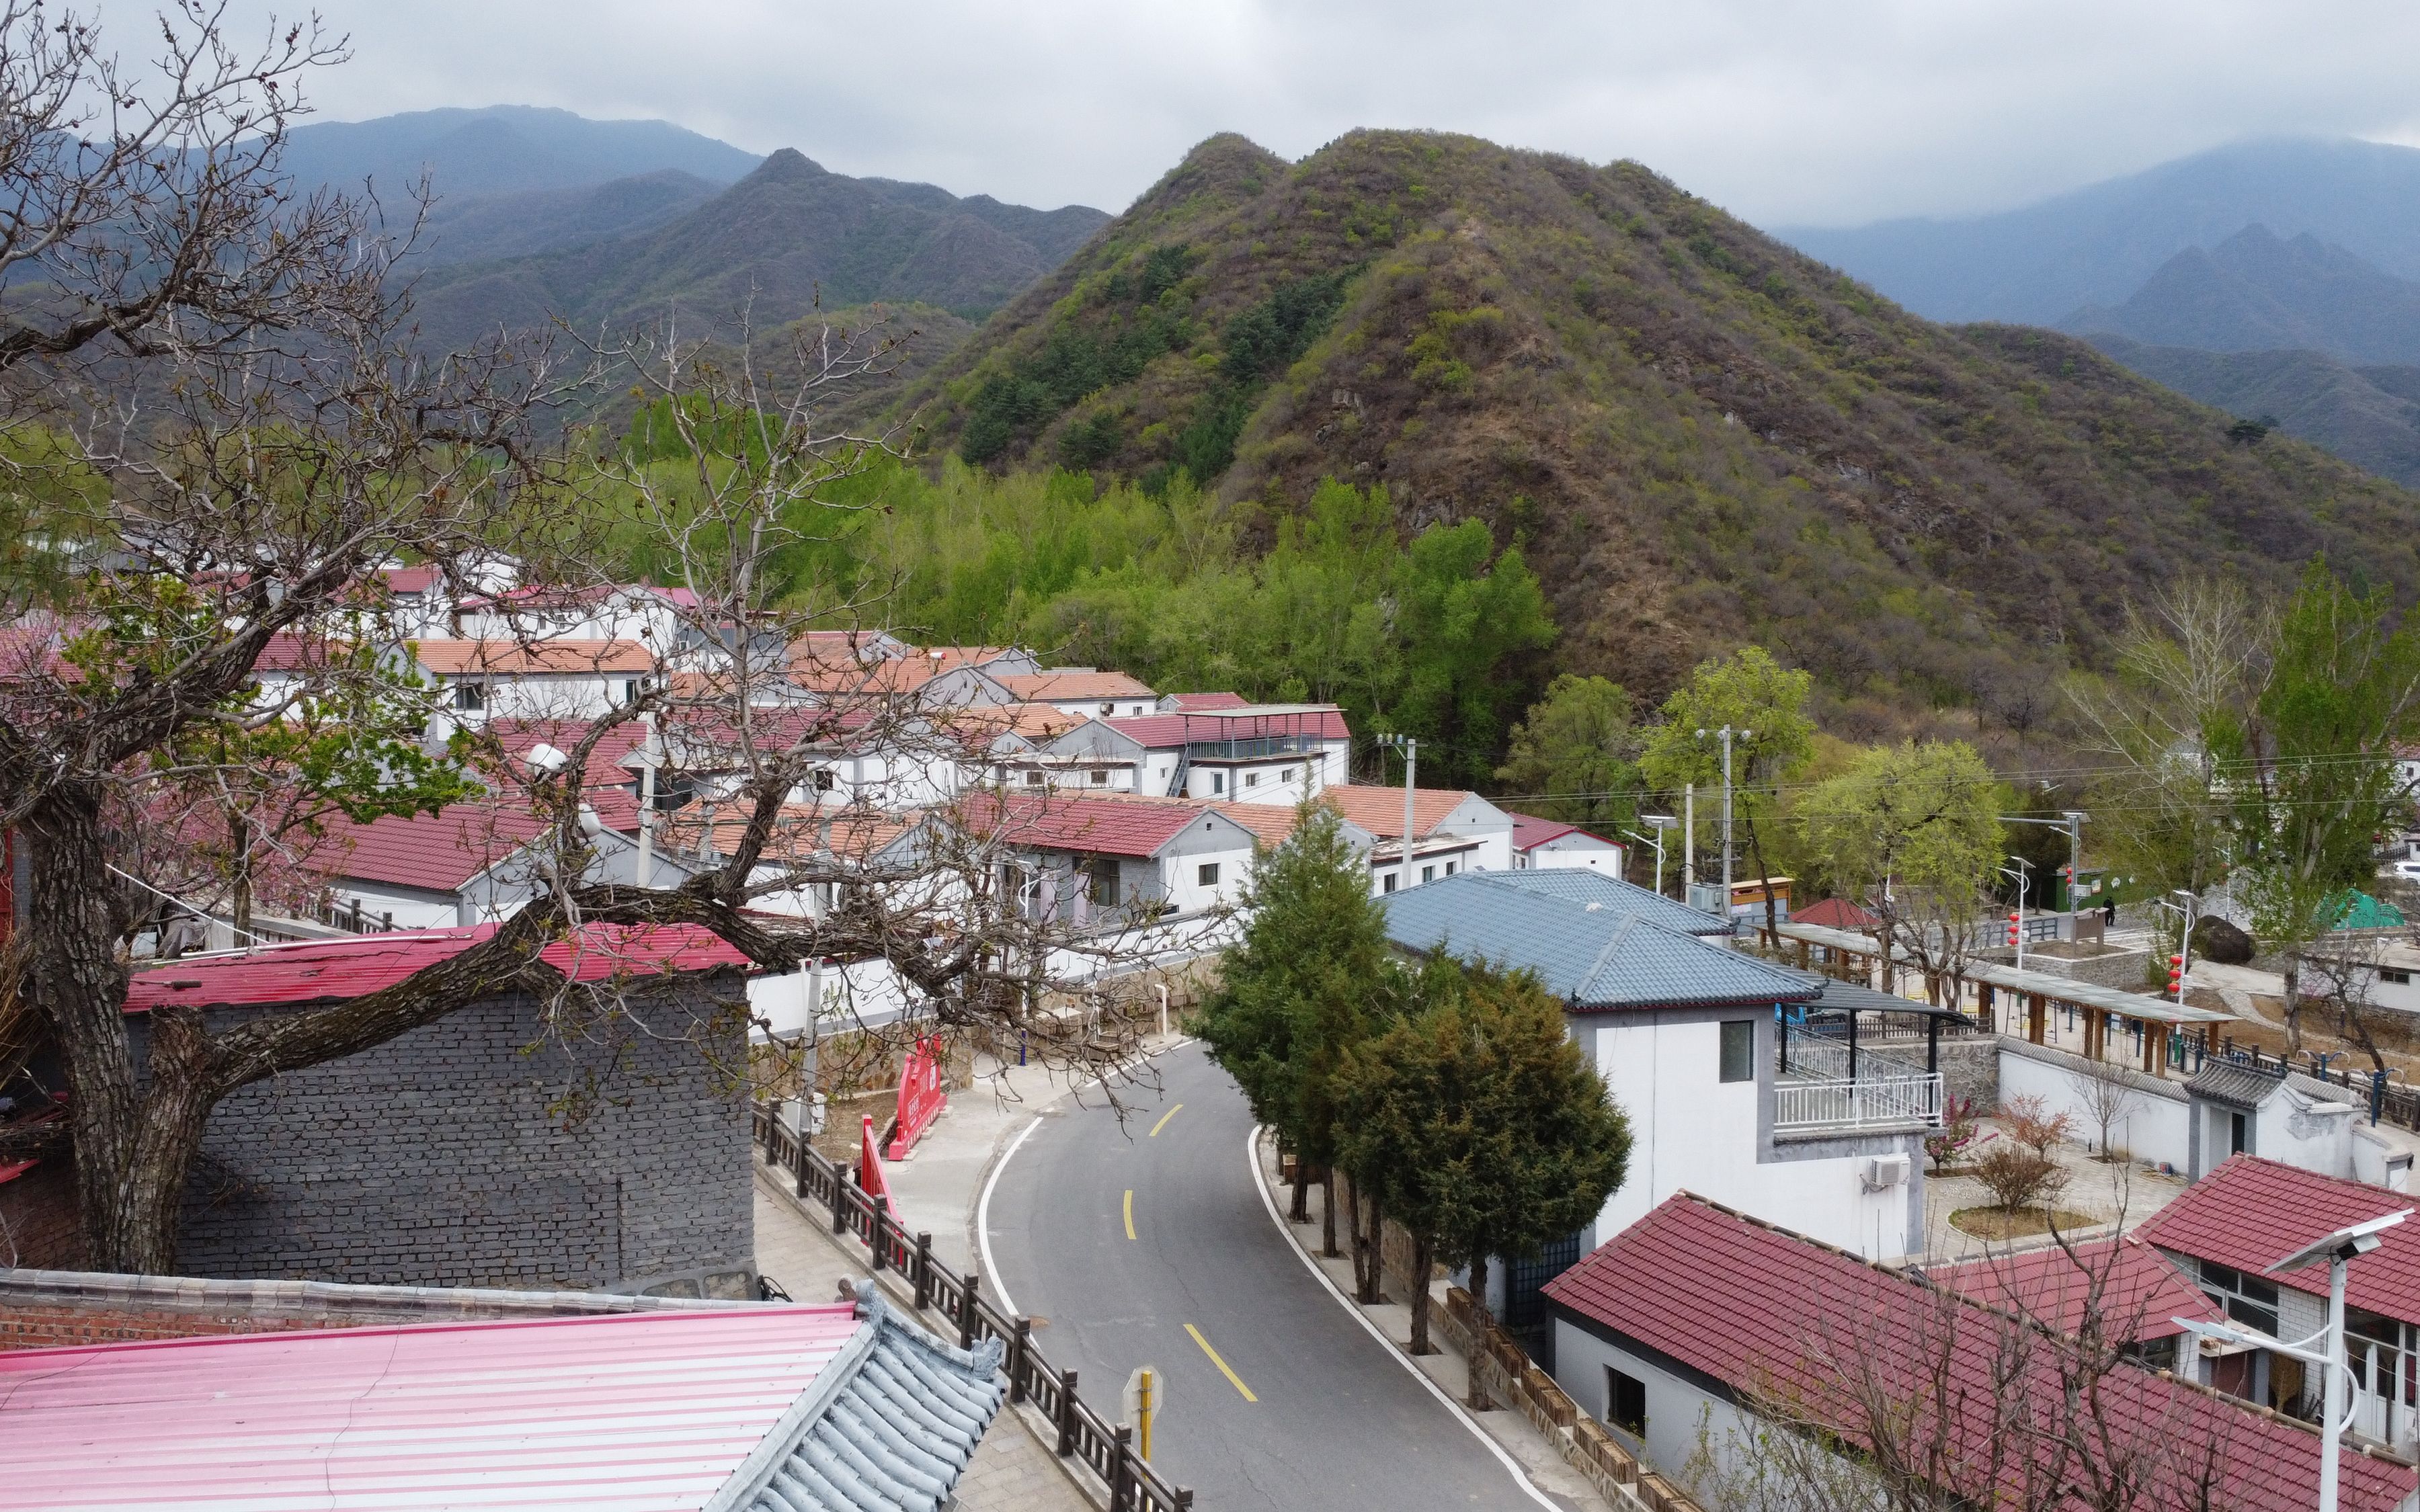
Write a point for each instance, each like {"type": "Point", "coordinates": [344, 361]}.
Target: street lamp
{"type": "Point", "coordinates": [2072, 822]}
{"type": "Point", "coordinates": [1658, 822]}
{"type": "Point", "coordinates": [2184, 940]}
{"type": "Point", "coordinates": [2338, 1249]}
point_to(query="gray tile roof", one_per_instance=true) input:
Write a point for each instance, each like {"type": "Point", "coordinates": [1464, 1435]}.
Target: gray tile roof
{"type": "Point", "coordinates": [888, 1426]}
{"type": "Point", "coordinates": [1593, 955]}
{"type": "Point", "coordinates": [2224, 1081]}
{"type": "Point", "coordinates": [1589, 886]}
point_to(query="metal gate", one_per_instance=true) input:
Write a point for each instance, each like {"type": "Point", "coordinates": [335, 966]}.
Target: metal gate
{"type": "Point", "coordinates": [1525, 1309]}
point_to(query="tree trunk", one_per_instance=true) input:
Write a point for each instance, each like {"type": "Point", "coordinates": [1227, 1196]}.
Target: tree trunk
{"type": "Point", "coordinates": [1476, 1398]}
{"type": "Point", "coordinates": [1301, 1212]}
{"type": "Point", "coordinates": [2293, 1003]}
{"type": "Point", "coordinates": [1764, 873]}
{"type": "Point", "coordinates": [72, 977]}
{"type": "Point", "coordinates": [1479, 1280]}
{"type": "Point", "coordinates": [240, 882]}
{"type": "Point", "coordinates": [1327, 1212]}
{"type": "Point", "coordinates": [1374, 1275]}
{"type": "Point", "coordinates": [1421, 1267]}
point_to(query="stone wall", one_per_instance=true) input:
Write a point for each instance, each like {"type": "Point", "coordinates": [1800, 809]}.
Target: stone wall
{"type": "Point", "coordinates": [1970, 1069]}
{"type": "Point", "coordinates": [467, 1154]}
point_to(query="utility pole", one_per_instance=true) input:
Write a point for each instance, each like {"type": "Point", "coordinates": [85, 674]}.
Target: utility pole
{"type": "Point", "coordinates": [1411, 749]}
{"type": "Point", "coordinates": [1688, 841]}
{"type": "Point", "coordinates": [1727, 734]}
{"type": "Point", "coordinates": [2075, 818]}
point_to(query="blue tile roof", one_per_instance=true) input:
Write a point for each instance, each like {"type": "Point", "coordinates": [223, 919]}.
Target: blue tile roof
{"type": "Point", "coordinates": [1586, 950]}
{"type": "Point", "coordinates": [890, 1424]}
{"type": "Point", "coordinates": [1589, 886]}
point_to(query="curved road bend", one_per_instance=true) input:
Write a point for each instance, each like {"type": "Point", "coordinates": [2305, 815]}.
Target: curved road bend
{"type": "Point", "coordinates": [1334, 1421]}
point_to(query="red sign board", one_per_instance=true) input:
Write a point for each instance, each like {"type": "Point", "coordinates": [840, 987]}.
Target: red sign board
{"type": "Point", "coordinates": [921, 1097]}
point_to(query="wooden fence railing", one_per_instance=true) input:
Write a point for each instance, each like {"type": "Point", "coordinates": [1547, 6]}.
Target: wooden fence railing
{"type": "Point", "coordinates": [1083, 1433]}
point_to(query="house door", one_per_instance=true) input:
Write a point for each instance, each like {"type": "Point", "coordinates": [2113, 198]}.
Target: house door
{"type": "Point", "coordinates": [1525, 1309]}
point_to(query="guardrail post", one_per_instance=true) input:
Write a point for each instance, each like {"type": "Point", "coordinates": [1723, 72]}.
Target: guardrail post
{"type": "Point", "coordinates": [1020, 1350]}
{"type": "Point", "coordinates": [1067, 1414]}
{"type": "Point", "coordinates": [881, 1240]}
{"type": "Point", "coordinates": [840, 1204]}
{"type": "Point", "coordinates": [1121, 1467]}
{"type": "Point", "coordinates": [1183, 1500]}
{"type": "Point", "coordinates": [922, 1277]}
{"type": "Point", "coordinates": [798, 1163]}
{"type": "Point", "coordinates": [966, 1314]}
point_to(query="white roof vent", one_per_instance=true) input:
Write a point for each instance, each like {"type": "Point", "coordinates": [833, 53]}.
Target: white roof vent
{"type": "Point", "coordinates": [1593, 907]}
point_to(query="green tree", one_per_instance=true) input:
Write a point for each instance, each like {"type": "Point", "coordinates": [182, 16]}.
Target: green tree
{"type": "Point", "coordinates": [2310, 766]}
{"type": "Point", "coordinates": [1914, 832]}
{"type": "Point", "coordinates": [1306, 985]}
{"type": "Point", "coordinates": [1748, 692]}
{"type": "Point", "coordinates": [1479, 1124]}
{"type": "Point", "coordinates": [1577, 744]}
{"type": "Point", "coordinates": [1463, 626]}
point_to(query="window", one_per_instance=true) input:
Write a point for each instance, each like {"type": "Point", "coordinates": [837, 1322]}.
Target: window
{"type": "Point", "coordinates": [1625, 1401]}
{"type": "Point", "coordinates": [1428, 873]}
{"type": "Point", "coordinates": [2239, 1133]}
{"type": "Point", "coordinates": [470, 694]}
{"type": "Point", "coordinates": [1251, 779]}
{"type": "Point", "coordinates": [1217, 781]}
{"type": "Point", "coordinates": [824, 779]}
{"type": "Point", "coordinates": [2400, 978]}
{"type": "Point", "coordinates": [1738, 1050]}
{"type": "Point", "coordinates": [1033, 779]}
{"type": "Point", "coordinates": [1103, 873]}
{"type": "Point", "coordinates": [1206, 874]}
{"type": "Point", "coordinates": [1390, 882]}
{"type": "Point", "coordinates": [1286, 776]}
{"type": "Point", "coordinates": [1100, 778]}
{"type": "Point", "coordinates": [1449, 869]}
{"type": "Point", "coordinates": [2247, 1298]}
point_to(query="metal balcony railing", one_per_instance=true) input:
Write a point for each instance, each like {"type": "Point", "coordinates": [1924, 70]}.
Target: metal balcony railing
{"type": "Point", "coordinates": [1868, 1102]}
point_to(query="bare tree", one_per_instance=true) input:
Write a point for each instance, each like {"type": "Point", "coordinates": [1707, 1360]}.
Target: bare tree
{"type": "Point", "coordinates": [2110, 1099]}
{"type": "Point", "coordinates": [271, 443]}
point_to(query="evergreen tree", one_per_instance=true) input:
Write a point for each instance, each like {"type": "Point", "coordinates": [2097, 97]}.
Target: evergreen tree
{"type": "Point", "coordinates": [1479, 1124]}
{"type": "Point", "coordinates": [1303, 988]}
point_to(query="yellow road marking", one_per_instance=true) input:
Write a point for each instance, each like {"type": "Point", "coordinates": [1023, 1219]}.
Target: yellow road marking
{"type": "Point", "coordinates": [1131, 1212]}
{"type": "Point", "coordinates": [1164, 1117]}
{"type": "Point", "coordinates": [1233, 1380]}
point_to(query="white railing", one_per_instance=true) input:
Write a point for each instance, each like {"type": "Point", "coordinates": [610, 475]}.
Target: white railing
{"type": "Point", "coordinates": [1869, 1100]}
{"type": "Point", "coordinates": [1825, 1058]}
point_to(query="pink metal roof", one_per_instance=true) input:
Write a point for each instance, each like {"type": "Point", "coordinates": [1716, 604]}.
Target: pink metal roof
{"type": "Point", "coordinates": [1834, 913]}
{"type": "Point", "coordinates": [1530, 831]}
{"type": "Point", "coordinates": [1758, 1308]}
{"type": "Point", "coordinates": [2141, 1292]}
{"type": "Point", "coordinates": [2251, 1212]}
{"type": "Point", "coordinates": [1202, 703]}
{"type": "Point", "coordinates": [337, 970]}
{"type": "Point", "coordinates": [1138, 827]}
{"type": "Point", "coordinates": [627, 1413]}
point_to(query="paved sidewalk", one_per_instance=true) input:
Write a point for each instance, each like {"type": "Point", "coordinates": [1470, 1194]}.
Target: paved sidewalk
{"type": "Point", "coordinates": [1510, 1431]}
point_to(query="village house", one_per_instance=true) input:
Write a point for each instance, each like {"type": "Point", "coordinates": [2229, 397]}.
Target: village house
{"type": "Point", "coordinates": [1540, 844]}
{"type": "Point", "coordinates": [1085, 690]}
{"type": "Point", "coordinates": [1279, 754]}
{"type": "Point", "coordinates": [1113, 862]}
{"type": "Point", "coordinates": [482, 680]}
{"type": "Point", "coordinates": [1689, 1329]}
{"type": "Point", "coordinates": [1453, 832]}
{"type": "Point", "coordinates": [2229, 1228]}
{"type": "Point", "coordinates": [1730, 1090]}
{"type": "Point", "coordinates": [2298, 1120]}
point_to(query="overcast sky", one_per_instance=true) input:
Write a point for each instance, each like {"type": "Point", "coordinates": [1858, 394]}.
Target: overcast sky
{"type": "Point", "coordinates": [1820, 111]}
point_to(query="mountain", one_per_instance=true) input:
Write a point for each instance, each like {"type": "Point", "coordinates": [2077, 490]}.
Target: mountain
{"type": "Point", "coordinates": [773, 243]}
{"type": "Point", "coordinates": [2096, 245]}
{"type": "Point", "coordinates": [2254, 292]}
{"type": "Point", "coordinates": [1703, 437]}
{"type": "Point", "coordinates": [503, 149]}
{"type": "Point", "coordinates": [2369, 416]}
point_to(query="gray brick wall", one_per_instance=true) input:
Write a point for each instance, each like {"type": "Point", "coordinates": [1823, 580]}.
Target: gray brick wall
{"type": "Point", "coordinates": [447, 1156]}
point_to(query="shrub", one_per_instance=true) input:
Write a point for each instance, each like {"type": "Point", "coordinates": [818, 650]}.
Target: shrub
{"type": "Point", "coordinates": [1959, 1127]}
{"type": "Point", "coordinates": [2018, 1178]}
{"type": "Point", "coordinates": [2031, 1123]}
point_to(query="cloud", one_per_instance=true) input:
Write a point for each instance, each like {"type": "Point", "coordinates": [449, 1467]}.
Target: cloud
{"type": "Point", "coordinates": [1783, 111]}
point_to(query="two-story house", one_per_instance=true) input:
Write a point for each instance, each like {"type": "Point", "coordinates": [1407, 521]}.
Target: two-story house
{"type": "Point", "coordinates": [1243, 753]}
{"type": "Point", "coordinates": [1453, 832]}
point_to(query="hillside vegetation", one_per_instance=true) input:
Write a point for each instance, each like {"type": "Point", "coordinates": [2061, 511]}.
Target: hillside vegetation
{"type": "Point", "coordinates": [1702, 438]}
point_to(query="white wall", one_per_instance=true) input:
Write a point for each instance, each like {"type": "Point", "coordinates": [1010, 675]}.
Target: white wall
{"type": "Point", "coordinates": [2158, 1129]}
{"type": "Point", "coordinates": [1678, 1409]}
{"type": "Point", "coordinates": [860, 992]}
{"type": "Point", "coordinates": [1581, 850]}
{"type": "Point", "coordinates": [1692, 1132]}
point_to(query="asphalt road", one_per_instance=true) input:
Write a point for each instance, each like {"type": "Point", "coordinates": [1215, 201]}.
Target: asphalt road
{"type": "Point", "coordinates": [1333, 1419]}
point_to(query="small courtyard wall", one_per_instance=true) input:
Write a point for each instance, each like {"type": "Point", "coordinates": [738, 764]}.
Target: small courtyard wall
{"type": "Point", "coordinates": [2157, 1130]}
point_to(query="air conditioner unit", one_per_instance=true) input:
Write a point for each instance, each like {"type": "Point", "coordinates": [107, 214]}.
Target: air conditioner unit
{"type": "Point", "coordinates": [1879, 1173]}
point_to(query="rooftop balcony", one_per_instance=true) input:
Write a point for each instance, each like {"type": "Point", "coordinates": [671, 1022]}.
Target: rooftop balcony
{"type": "Point", "coordinates": [1823, 1082]}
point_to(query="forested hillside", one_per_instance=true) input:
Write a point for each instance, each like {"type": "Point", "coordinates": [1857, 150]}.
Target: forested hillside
{"type": "Point", "coordinates": [1701, 436]}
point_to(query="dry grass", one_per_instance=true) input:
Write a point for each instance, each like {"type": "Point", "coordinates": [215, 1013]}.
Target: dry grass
{"type": "Point", "coordinates": [2021, 1222]}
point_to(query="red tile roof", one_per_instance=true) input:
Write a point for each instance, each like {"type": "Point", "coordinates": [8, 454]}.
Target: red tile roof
{"type": "Point", "coordinates": [1380, 810]}
{"type": "Point", "coordinates": [1835, 913]}
{"type": "Point", "coordinates": [1530, 831]}
{"type": "Point", "coordinates": [2141, 1292]}
{"type": "Point", "coordinates": [409, 580]}
{"type": "Point", "coordinates": [1138, 827]}
{"type": "Point", "coordinates": [2251, 1212]}
{"type": "Point", "coordinates": [324, 971]}
{"type": "Point", "coordinates": [1204, 702]}
{"type": "Point", "coordinates": [1166, 730]}
{"type": "Point", "coordinates": [1762, 1310]}
{"type": "Point", "coordinates": [439, 852]}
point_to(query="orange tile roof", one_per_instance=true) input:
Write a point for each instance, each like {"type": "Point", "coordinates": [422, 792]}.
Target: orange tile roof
{"type": "Point", "coordinates": [508, 658]}
{"type": "Point", "coordinates": [1380, 810]}
{"type": "Point", "coordinates": [1041, 687]}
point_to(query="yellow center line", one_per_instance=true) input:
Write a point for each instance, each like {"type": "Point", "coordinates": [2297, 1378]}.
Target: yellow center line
{"type": "Point", "coordinates": [1131, 1212]}
{"type": "Point", "coordinates": [1233, 1380]}
{"type": "Point", "coordinates": [1164, 1117]}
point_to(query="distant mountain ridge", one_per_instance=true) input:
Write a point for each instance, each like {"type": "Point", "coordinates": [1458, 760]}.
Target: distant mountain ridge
{"type": "Point", "coordinates": [2096, 245]}
{"type": "Point", "coordinates": [503, 149]}
{"type": "Point", "coordinates": [788, 233]}
{"type": "Point", "coordinates": [2254, 292]}
{"type": "Point", "coordinates": [1700, 437]}
{"type": "Point", "coordinates": [2369, 415]}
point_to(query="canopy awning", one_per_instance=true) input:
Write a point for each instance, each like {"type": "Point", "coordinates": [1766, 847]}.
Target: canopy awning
{"type": "Point", "coordinates": [2141, 1007]}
